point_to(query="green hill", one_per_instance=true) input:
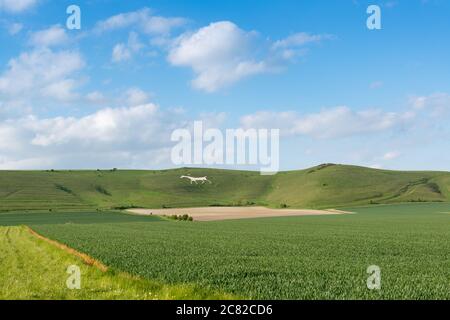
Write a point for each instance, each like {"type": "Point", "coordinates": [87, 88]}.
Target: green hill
{"type": "Point", "coordinates": [323, 186]}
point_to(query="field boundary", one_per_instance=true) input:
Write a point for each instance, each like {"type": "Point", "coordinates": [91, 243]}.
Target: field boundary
{"type": "Point", "coordinates": [86, 258]}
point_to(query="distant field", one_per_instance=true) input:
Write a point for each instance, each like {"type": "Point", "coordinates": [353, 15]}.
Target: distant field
{"type": "Point", "coordinates": [321, 187]}
{"type": "Point", "coordinates": [232, 213]}
{"type": "Point", "coordinates": [310, 257]}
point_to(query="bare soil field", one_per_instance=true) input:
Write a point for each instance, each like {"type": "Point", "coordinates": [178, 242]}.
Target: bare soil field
{"type": "Point", "coordinates": [229, 213]}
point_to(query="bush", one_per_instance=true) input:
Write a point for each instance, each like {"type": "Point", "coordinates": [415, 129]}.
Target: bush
{"type": "Point", "coordinates": [125, 207]}
{"type": "Point", "coordinates": [63, 188]}
{"type": "Point", "coordinates": [184, 217]}
{"type": "Point", "coordinates": [102, 190]}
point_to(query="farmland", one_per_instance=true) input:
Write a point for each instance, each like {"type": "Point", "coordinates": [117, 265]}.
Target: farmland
{"type": "Point", "coordinates": [310, 257]}
{"type": "Point", "coordinates": [321, 187]}
{"type": "Point", "coordinates": [37, 270]}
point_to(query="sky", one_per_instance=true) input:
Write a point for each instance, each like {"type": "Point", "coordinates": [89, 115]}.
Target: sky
{"type": "Point", "coordinates": [111, 93]}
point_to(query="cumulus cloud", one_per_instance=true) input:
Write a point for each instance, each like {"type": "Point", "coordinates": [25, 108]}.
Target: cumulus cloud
{"type": "Point", "coordinates": [96, 97]}
{"type": "Point", "coordinates": [329, 123]}
{"type": "Point", "coordinates": [123, 52]}
{"type": "Point", "coordinates": [219, 54]}
{"type": "Point", "coordinates": [137, 136]}
{"type": "Point", "coordinates": [143, 20]}
{"type": "Point", "coordinates": [55, 35]}
{"type": "Point", "coordinates": [41, 73]}
{"type": "Point", "coordinates": [105, 126]}
{"type": "Point", "coordinates": [62, 90]}
{"type": "Point", "coordinates": [16, 6]}
{"type": "Point", "coordinates": [136, 96]}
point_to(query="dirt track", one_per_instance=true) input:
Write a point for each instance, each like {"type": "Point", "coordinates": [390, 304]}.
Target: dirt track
{"type": "Point", "coordinates": [228, 213]}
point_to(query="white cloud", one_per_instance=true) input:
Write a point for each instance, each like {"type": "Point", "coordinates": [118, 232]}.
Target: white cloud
{"type": "Point", "coordinates": [41, 73]}
{"type": "Point", "coordinates": [61, 90]}
{"type": "Point", "coordinates": [435, 104]}
{"type": "Point", "coordinates": [53, 36]}
{"type": "Point", "coordinates": [300, 39]}
{"type": "Point", "coordinates": [16, 6]}
{"type": "Point", "coordinates": [123, 52]}
{"type": "Point", "coordinates": [143, 20]}
{"type": "Point", "coordinates": [135, 96]}
{"type": "Point", "coordinates": [130, 137]}
{"type": "Point", "coordinates": [120, 53]}
{"type": "Point", "coordinates": [219, 54]}
{"type": "Point", "coordinates": [96, 97]}
{"type": "Point", "coordinates": [295, 45]}
{"type": "Point", "coordinates": [107, 125]}
{"type": "Point", "coordinates": [161, 25]}
{"type": "Point", "coordinates": [330, 123]}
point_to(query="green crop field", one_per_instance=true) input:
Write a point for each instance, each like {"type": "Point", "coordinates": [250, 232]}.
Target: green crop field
{"type": "Point", "coordinates": [34, 269]}
{"type": "Point", "coordinates": [324, 186]}
{"type": "Point", "coordinates": [311, 257]}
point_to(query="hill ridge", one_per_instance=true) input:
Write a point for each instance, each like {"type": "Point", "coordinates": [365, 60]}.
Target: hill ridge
{"type": "Point", "coordinates": [323, 186]}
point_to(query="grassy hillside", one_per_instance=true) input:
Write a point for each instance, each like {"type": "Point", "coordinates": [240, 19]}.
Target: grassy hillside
{"type": "Point", "coordinates": [318, 187]}
{"type": "Point", "coordinates": [337, 185]}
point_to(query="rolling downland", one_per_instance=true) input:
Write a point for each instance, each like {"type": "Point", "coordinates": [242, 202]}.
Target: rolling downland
{"type": "Point", "coordinates": [324, 186]}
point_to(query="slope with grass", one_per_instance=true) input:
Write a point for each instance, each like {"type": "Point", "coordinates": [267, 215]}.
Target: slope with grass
{"type": "Point", "coordinates": [324, 186]}
{"type": "Point", "coordinates": [330, 186]}
{"type": "Point", "coordinates": [36, 269]}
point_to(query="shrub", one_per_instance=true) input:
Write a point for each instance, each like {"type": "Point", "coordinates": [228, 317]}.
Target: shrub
{"type": "Point", "coordinates": [63, 188]}
{"type": "Point", "coordinates": [102, 190]}
{"type": "Point", "coordinates": [184, 217]}
{"type": "Point", "coordinates": [125, 207]}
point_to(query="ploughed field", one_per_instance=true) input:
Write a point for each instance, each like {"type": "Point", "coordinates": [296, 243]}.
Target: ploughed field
{"type": "Point", "coordinates": [305, 257]}
{"type": "Point", "coordinates": [233, 213]}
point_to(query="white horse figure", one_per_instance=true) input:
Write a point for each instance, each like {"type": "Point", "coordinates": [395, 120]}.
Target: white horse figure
{"type": "Point", "coordinates": [203, 180]}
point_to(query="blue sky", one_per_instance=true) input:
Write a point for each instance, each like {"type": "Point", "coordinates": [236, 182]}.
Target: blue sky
{"type": "Point", "coordinates": [110, 94]}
